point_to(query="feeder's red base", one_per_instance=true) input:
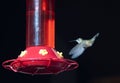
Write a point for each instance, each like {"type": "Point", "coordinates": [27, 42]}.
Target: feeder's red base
{"type": "Point", "coordinates": [40, 60]}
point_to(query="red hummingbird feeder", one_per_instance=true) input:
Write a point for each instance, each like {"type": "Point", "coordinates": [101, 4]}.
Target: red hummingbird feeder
{"type": "Point", "coordinates": [40, 57]}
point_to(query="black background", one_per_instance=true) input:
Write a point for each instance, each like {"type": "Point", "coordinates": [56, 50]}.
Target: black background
{"type": "Point", "coordinates": [74, 18]}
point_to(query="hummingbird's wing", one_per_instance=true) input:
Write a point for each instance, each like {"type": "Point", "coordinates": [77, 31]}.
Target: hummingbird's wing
{"type": "Point", "coordinates": [76, 51]}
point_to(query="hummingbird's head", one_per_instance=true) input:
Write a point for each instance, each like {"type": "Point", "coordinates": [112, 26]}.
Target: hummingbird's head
{"type": "Point", "coordinates": [79, 40]}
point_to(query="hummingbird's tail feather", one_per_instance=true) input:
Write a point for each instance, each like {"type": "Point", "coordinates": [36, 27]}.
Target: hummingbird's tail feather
{"type": "Point", "coordinates": [94, 37]}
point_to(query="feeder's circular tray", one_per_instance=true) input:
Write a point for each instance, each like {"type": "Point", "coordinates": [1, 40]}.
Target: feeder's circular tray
{"type": "Point", "coordinates": [40, 66]}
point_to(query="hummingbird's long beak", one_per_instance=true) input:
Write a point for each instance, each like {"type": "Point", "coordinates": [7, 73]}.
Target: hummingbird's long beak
{"type": "Point", "coordinates": [72, 41]}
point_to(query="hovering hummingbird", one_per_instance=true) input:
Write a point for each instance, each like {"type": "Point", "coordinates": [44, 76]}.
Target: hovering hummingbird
{"type": "Point", "coordinates": [78, 49]}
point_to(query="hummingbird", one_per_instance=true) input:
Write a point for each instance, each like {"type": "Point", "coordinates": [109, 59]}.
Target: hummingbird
{"type": "Point", "coordinates": [81, 46]}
